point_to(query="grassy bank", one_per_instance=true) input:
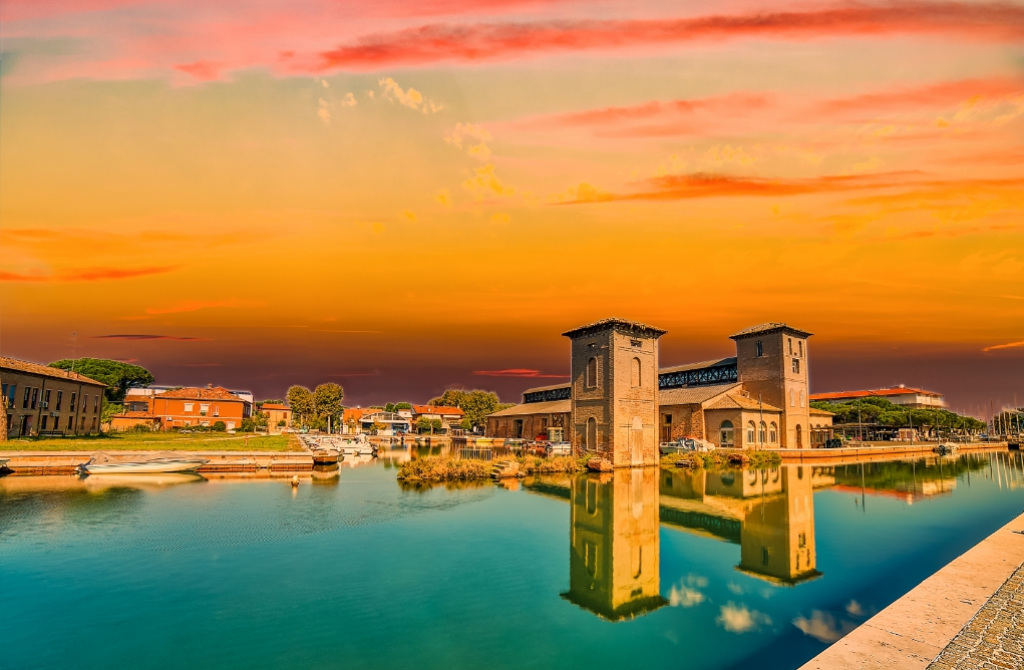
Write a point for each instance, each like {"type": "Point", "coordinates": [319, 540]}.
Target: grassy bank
{"type": "Point", "coordinates": [720, 458]}
{"type": "Point", "coordinates": [447, 468]}
{"type": "Point", "coordinates": [157, 442]}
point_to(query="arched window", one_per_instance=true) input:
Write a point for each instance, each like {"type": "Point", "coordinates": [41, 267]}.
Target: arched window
{"type": "Point", "coordinates": [760, 348]}
{"type": "Point", "coordinates": [725, 433]}
{"type": "Point", "coordinates": [591, 434]}
{"type": "Point", "coordinates": [762, 435]}
{"type": "Point", "coordinates": [635, 373]}
{"type": "Point", "coordinates": [591, 374]}
{"type": "Point", "coordinates": [800, 347]}
{"type": "Point", "coordinates": [799, 437]}
{"type": "Point", "coordinates": [789, 342]}
{"type": "Point", "coordinates": [801, 398]}
{"type": "Point", "coordinates": [750, 432]}
{"type": "Point", "coordinates": [792, 398]}
{"type": "Point", "coordinates": [773, 433]}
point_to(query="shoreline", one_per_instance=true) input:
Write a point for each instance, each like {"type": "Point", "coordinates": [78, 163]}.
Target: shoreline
{"type": "Point", "coordinates": [35, 463]}
{"type": "Point", "coordinates": [913, 631]}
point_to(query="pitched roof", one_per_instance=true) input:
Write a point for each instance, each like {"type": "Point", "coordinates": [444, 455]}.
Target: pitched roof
{"type": "Point", "coordinates": [765, 328]}
{"type": "Point", "coordinates": [739, 401]}
{"type": "Point", "coordinates": [547, 407]}
{"type": "Point", "coordinates": [819, 412]}
{"type": "Point", "coordinates": [535, 389]}
{"type": "Point", "coordinates": [269, 405]}
{"type": "Point", "coordinates": [717, 362]}
{"type": "Point", "coordinates": [693, 395]}
{"type": "Point", "coordinates": [44, 371]}
{"type": "Point", "coordinates": [618, 324]}
{"type": "Point", "coordinates": [215, 393]}
{"type": "Point", "coordinates": [895, 390]}
{"type": "Point", "coordinates": [437, 409]}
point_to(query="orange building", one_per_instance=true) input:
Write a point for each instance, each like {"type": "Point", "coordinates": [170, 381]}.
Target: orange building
{"type": "Point", "coordinates": [181, 408]}
{"type": "Point", "coordinates": [279, 417]}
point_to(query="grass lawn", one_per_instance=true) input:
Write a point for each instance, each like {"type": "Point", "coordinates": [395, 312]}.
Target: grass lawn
{"type": "Point", "coordinates": [157, 442]}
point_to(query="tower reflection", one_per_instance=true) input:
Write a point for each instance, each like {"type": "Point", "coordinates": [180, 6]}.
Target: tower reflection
{"type": "Point", "coordinates": [614, 552]}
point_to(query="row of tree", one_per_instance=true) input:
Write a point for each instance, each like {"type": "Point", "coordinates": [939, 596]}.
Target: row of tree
{"type": "Point", "coordinates": [881, 412]}
{"type": "Point", "coordinates": [318, 409]}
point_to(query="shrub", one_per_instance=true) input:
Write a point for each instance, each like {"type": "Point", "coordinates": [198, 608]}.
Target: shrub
{"type": "Point", "coordinates": [219, 426]}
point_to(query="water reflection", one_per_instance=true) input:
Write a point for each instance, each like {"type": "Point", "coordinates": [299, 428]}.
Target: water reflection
{"type": "Point", "coordinates": [613, 546]}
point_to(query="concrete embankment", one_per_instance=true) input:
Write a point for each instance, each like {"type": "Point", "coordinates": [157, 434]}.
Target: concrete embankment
{"type": "Point", "coordinates": [878, 453]}
{"type": "Point", "coordinates": [67, 462]}
{"type": "Point", "coordinates": [910, 633]}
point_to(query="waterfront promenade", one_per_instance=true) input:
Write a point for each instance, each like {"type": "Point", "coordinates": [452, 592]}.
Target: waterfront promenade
{"type": "Point", "coordinates": [963, 616]}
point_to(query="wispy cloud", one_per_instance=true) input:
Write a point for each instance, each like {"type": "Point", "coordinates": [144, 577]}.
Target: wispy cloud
{"type": "Point", "coordinates": [196, 305]}
{"type": "Point", "coordinates": [410, 97]}
{"type": "Point", "coordinates": [84, 274]}
{"type": "Point", "coordinates": [1008, 345]}
{"type": "Point", "coordinates": [496, 42]}
{"type": "Point", "coordinates": [516, 372]}
{"type": "Point", "coordinates": [150, 337]}
{"type": "Point", "coordinates": [740, 619]}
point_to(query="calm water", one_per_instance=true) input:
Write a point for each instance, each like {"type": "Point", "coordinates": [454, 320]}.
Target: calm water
{"type": "Point", "coordinates": [662, 568]}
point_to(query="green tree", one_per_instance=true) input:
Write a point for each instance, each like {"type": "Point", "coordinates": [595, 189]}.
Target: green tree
{"type": "Point", "coordinates": [300, 399]}
{"type": "Point", "coordinates": [390, 407]}
{"type": "Point", "coordinates": [219, 426]}
{"type": "Point", "coordinates": [109, 409]}
{"type": "Point", "coordinates": [403, 405]}
{"type": "Point", "coordinates": [118, 376]}
{"type": "Point", "coordinates": [475, 404]}
{"type": "Point", "coordinates": [327, 400]}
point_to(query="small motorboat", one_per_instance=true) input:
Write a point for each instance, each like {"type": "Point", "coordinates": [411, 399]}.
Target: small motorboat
{"type": "Point", "coordinates": [148, 466]}
{"type": "Point", "coordinates": [328, 456]}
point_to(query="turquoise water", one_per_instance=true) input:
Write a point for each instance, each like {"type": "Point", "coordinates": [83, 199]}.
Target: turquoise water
{"type": "Point", "coordinates": [663, 568]}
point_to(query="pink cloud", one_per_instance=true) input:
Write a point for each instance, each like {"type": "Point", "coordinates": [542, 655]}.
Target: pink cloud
{"type": "Point", "coordinates": [86, 274]}
{"type": "Point", "coordinates": [1009, 345]}
{"type": "Point", "coordinates": [516, 372]}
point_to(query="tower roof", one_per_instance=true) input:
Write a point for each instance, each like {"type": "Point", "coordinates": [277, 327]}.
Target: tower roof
{"type": "Point", "coordinates": [765, 328]}
{"type": "Point", "coordinates": [613, 323]}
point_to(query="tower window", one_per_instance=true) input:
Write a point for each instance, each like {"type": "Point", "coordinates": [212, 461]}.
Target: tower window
{"type": "Point", "coordinates": [789, 341]}
{"type": "Point", "coordinates": [800, 347]}
{"type": "Point", "coordinates": [591, 373]}
{"type": "Point", "coordinates": [760, 349]}
{"type": "Point", "coordinates": [796, 365]}
{"type": "Point", "coordinates": [635, 343]}
{"type": "Point", "coordinates": [635, 379]}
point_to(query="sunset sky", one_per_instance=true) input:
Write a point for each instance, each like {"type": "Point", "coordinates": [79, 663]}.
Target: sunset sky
{"type": "Point", "coordinates": [404, 197]}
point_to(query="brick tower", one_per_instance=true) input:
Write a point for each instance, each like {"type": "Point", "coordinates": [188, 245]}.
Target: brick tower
{"type": "Point", "coordinates": [771, 363]}
{"type": "Point", "coordinates": [615, 391]}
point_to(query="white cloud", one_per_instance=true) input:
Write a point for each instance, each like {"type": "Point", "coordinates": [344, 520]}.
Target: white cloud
{"type": "Point", "coordinates": [471, 137]}
{"type": "Point", "coordinates": [349, 100]}
{"type": "Point", "coordinates": [823, 627]}
{"type": "Point", "coordinates": [739, 619]}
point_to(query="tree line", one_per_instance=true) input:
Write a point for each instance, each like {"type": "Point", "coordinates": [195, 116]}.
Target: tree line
{"type": "Point", "coordinates": [881, 412]}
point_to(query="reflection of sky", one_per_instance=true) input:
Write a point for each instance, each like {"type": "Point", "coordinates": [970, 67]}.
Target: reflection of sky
{"type": "Point", "coordinates": [380, 577]}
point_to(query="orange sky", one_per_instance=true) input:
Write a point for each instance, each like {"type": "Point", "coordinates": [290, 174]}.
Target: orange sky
{"type": "Point", "coordinates": [398, 198]}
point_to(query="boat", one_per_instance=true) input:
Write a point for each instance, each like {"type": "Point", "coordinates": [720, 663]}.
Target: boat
{"type": "Point", "coordinates": [4, 462]}
{"type": "Point", "coordinates": [945, 449]}
{"type": "Point", "coordinates": [328, 456]}
{"type": "Point", "coordinates": [148, 466]}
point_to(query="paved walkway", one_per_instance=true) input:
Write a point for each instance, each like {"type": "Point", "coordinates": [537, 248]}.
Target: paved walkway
{"type": "Point", "coordinates": [982, 590]}
{"type": "Point", "coordinates": [994, 638]}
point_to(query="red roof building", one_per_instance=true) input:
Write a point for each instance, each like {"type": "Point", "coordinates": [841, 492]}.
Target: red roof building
{"type": "Point", "coordinates": [904, 396]}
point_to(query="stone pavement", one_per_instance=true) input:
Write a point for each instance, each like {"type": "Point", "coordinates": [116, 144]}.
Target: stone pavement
{"type": "Point", "coordinates": [994, 638]}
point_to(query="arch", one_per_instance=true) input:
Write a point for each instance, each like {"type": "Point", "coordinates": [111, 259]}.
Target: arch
{"type": "Point", "coordinates": [799, 436]}
{"type": "Point", "coordinates": [591, 434]}
{"type": "Point", "coordinates": [762, 433]}
{"type": "Point", "coordinates": [635, 378]}
{"type": "Point", "coordinates": [725, 433]}
{"type": "Point", "coordinates": [773, 433]}
{"type": "Point", "coordinates": [751, 432]}
{"type": "Point", "coordinates": [591, 373]}
{"type": "Point", "coordinates": [800, 347]}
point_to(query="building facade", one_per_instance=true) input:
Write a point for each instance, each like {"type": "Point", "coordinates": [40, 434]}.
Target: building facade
{"type": "Point", "coordinates": [279, 417]}
{"type": "Point", "coordinates": [40, 400]}
{"type": "Point", "coordinates": [912, 398]}
{"type": "Point", "coordinates": [183, 408]}
{"type": "Point", "coordinates": [757, 398]}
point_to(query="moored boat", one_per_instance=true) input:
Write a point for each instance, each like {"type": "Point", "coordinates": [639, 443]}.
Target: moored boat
{"type": "Point", "coordinates": [326, 456]}
{"type": "Point", "coordinates": [4, 462]}
{"type": "Point", "coordinates": [148, 466]}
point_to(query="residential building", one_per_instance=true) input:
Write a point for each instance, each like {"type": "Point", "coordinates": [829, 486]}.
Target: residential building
{"type": "Point", "coordinates": [182, 408]}
{"type": "Point", "coordinates": [279, 417]}
{"type": "Point", "coordinates": [905, 396]}
{"type": "Point", "coordinates": [450, 417]}
{"type": "Point", "coordinates": [38, 399]}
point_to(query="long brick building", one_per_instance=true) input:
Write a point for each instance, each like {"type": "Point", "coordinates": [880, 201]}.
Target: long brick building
{"type": "Point", "coordinates": [757, 398]}
{"type": "Point", "coordinates": [38, 399]}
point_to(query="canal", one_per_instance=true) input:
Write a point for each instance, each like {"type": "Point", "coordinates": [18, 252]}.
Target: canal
{"type": "Point", "coordinates": [661, 567]}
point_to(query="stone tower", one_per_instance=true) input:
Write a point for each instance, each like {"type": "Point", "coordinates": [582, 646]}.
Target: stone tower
{"type": "Point", "coordinates": [615, 391]}
{"type": "Point", "coordinates": [771, 363]}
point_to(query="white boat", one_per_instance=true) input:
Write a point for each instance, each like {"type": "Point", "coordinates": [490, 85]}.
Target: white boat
{"type": "Point", "coordinates": [149, 466]}
{"type": "Point", "coordinates": [4, 462]}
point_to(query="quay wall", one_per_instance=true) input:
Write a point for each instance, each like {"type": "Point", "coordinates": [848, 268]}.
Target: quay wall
{"type": "Point", "coordinates": [879, 453]}
{"type": "Point", "coordinates": [68, 462]}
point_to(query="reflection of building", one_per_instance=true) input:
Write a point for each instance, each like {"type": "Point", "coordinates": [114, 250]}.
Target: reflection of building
{"type": "Point", "coordinates": [614, 553]}
{"type": "Point", "coordinates": [769, 513]}
{"type": "Point", "coordinates": [757, 398]}
{"type": "Point", "coordinates": [40, 399]}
